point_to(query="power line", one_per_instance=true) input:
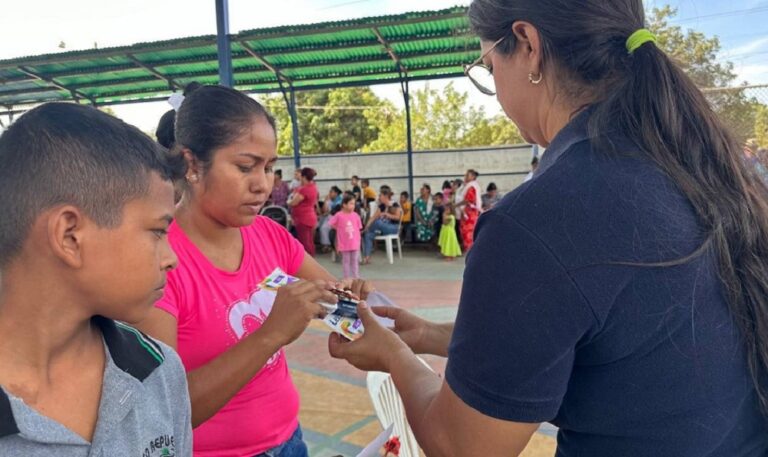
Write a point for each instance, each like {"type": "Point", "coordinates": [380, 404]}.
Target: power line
{"type": "Point", "coordinates": [759, 9]}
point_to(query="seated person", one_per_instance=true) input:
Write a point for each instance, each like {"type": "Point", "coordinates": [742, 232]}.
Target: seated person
{"type": "Point", "coordinates": [385, 221]}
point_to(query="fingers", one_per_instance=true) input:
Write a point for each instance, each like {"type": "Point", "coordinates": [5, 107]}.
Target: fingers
{"type": "Point", "coordinates": [336, 345]}
{"type": "Point", "coordinates": [387, 311]}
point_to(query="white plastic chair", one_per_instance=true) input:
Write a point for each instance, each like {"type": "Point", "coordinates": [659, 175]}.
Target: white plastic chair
{"type": "Point", "coordinates": [389, 410]}
{"type": "Point", "coordinates": [388, 239]}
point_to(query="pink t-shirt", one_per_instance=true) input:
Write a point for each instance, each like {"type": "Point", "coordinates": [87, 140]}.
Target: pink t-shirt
{"type": "Point", "coordinates": [348, 226]}
{"type": "Point", "coordinates": [304, 213]}
{"type": "Point", "coordinates": [216, 309]}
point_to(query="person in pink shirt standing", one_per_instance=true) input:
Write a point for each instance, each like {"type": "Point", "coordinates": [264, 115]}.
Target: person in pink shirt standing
{"type": "Point", "coordinates": [303, 205]}
{"type": "Point", "coordinates": [348, 225]}
{"type": "Point", "coordinates": [228, 328]}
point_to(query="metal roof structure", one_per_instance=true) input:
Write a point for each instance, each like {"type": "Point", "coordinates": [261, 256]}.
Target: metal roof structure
{"type": "Point", "coordinates": [366, 51]}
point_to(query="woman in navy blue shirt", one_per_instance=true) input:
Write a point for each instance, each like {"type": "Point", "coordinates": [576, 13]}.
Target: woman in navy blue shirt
{"type": "Point", "coordinates": [622, 293]}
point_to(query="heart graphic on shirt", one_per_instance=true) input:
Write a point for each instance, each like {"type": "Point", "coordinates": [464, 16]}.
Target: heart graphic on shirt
{"type": "Point", "coordinates": [247, 317]}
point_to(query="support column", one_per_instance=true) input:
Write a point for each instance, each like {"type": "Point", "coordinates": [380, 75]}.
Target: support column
{"type": "Point", "coordinates": [226, 78]}
{"type": "Point", "coordinates": [295, 127]}
{"type": "Point", "coordinates": [409, 140]}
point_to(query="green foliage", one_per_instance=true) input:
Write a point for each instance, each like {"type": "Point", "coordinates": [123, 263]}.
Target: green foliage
{"type": "Point", "coordinates": [330, 121]}
{"type": "Point", "coordinates": [442, 120]}
{"type": "Point", "coordinates": [697, 55]}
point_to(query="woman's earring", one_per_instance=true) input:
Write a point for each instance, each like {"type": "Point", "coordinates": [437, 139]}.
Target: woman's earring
{"type": "Point", "coordinates": [192, 178]}
{"type": "Point", "coordinates": [536, 80]}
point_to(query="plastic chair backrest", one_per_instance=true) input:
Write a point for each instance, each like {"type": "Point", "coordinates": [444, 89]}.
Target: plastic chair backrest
{"type": "Point", "coordinates": [389, 410]}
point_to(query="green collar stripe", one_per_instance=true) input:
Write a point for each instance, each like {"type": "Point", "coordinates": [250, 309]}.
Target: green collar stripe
{"type": "Point", "coordinates": [145, 343]}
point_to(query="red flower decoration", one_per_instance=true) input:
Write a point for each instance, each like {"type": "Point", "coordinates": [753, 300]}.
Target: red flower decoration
{"type": "Point", "coordinates": [392, 446]}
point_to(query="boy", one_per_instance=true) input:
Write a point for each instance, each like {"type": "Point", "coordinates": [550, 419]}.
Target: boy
{"type": "Point", "coordinates": [85, 202]}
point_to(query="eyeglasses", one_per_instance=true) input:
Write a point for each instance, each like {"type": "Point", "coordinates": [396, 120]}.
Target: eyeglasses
{"type": "Point", "coordinates": [481, 74]}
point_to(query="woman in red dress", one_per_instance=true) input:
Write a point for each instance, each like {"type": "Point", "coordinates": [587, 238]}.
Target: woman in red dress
{"type": "Point", "coordinates": [470, 206]}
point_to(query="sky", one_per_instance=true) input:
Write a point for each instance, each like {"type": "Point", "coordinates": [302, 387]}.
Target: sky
{"type": "Point", "coordinates": [38, 26]}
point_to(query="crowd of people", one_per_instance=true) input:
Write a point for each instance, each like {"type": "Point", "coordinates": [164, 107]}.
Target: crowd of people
{"type": "Point", "coordinates": [621, 293]}
{"type": "Point", "coordinates": [421, 221]}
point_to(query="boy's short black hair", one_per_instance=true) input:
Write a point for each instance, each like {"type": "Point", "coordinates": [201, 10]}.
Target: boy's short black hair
{"type": "Point", "coordinates": [365, 181]}
{"type": "Point", "coordinates": [491, 186]}
{"type": "Point", "coordinates": [64, 153]}
{"type": "Point", "coordinates": [438, 195]}
{"type": "Point", "coordinates": [347, 198]}
{"type": "Point", "coordinates": [404, 194]}
{"type": "Point", "coordinates": [355, 177]}
{"type": "Point", "coordinates": [279, 173]}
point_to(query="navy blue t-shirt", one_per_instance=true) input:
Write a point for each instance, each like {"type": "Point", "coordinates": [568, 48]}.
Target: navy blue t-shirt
{"type": "Point", "coordinates": [555, 326]}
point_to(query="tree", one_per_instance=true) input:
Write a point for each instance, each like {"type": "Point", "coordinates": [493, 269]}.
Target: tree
{"type": "Point", "coordinates": [697, 55]}
{"type": "Point", "coordinates": [330, 121]}
{"type": "Point", "coordinates": [441, 120]}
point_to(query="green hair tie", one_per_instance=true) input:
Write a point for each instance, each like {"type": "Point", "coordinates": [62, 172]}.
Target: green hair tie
{"type": "Point", "coordinates": [639, 38]}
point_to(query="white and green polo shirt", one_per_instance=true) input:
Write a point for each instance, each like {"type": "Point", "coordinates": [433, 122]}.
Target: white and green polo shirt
{"type": "Point", "coordinates": [144, 409]}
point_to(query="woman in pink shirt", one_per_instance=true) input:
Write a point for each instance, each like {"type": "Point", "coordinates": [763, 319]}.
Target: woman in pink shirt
{"type": "Point", "coordinates": [229, 330]}
{"type": "Point", "coordinates": [303, 205]}
{"type": "Point", "coordinates": [348, 225]}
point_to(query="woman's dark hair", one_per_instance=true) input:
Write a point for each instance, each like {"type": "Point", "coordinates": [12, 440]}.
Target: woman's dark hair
{"type": "Point", "coordinates": [212, 117]}
{"type": "Point", "coordinates": [428, 187]}
{"type": "Point", "coordinates": [164, 133]}
{"type": "Point", "coordinates": [651, 100]}
{"type": "Point", "coordinates": [491, 186]}
{"type": "Point", "coordinates": [279, 173]}
{"type": "Point", "coordinates": [336, 189]}
{"type": "Point", "coordinates": [165, 126]}
{"type": "Point", "coordinates": [308, 173]}
{"type": "Point", "coordinates": [347, 198]}
{"type": "Point", "coordinates": [404, 194]}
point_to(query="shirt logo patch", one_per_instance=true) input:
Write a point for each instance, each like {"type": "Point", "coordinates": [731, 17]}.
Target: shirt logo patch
{"type": "Point", "coordinates": [162, 446]}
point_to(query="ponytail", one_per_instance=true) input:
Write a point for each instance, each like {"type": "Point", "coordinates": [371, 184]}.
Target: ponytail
{"type": "Point", "coordinates": [667, 116]}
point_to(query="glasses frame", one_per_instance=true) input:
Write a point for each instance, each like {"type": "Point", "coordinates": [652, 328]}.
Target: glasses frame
{"type": "Point", "coordinates": [479, 63]}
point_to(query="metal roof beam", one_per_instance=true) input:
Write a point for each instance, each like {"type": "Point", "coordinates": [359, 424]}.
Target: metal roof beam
{"type": "Point", "coordinates": [75, 93]}
{"type": "Point", "coordinates": [31, 90]}
{"type": "Point", "coordinates": [264, 62]}
{"type": "Point", "coordinates": [382, 58]}
{"type": "Point", "coordinates": [301, 84]}
{"type": "Point", "coordinates": [245, 55]}
{"type": "Point", "coordinates": [155, 73]}
{"type": "Point", "coordinates": [389, 50]}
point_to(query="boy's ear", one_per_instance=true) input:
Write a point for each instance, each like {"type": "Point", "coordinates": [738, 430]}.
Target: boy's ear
{"type": "Point", "coordinates": [66, 234]}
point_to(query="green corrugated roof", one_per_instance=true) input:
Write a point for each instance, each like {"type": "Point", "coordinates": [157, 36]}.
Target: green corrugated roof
{"type": "Point", "coordinates": [428, 44]}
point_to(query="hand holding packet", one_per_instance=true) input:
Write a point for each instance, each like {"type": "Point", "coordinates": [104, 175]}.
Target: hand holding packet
{"type": "Point", "coordinates": [342, 317]}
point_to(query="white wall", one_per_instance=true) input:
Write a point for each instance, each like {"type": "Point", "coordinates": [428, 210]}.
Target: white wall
{"type": "Point", "coordinates": [506, 166]}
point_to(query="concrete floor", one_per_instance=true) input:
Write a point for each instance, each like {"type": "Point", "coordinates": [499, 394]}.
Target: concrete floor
{"type": "Point", "coordinates": [420, 282]}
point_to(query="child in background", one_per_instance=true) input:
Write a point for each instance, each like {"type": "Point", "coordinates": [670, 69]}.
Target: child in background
{"type": "Point", "coordinates": [448, 241]}
{"type": "Point", "coordinates": [348, 225]}
{"type": "Point", "coordinates": [407, 207]}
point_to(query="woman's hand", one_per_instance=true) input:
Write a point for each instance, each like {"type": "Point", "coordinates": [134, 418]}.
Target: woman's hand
{"type": "Point", "coordinates": [422, 336]}
{"type": "Point", "coordinates": [374, 351]}
{"type": "Point", "coordinates": [294, 308]}
{"type": "Point", "coordinates": [359, 287]}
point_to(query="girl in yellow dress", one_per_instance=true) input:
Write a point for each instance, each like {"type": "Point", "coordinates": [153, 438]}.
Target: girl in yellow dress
{"type": "Point", "coordinates": [448, 242]}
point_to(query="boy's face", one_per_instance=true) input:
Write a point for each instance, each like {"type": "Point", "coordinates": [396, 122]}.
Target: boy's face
{"type": "Point", "coordinates": [240, 178]}
{"type": "Point", "coordinates": [349, 206]}
{"type": "Point", "coordinates": [403, 199]}
{"type": "Point", "coordinates": [124, 268]}
{"type": "Point", "coordinates": [438, 201]}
